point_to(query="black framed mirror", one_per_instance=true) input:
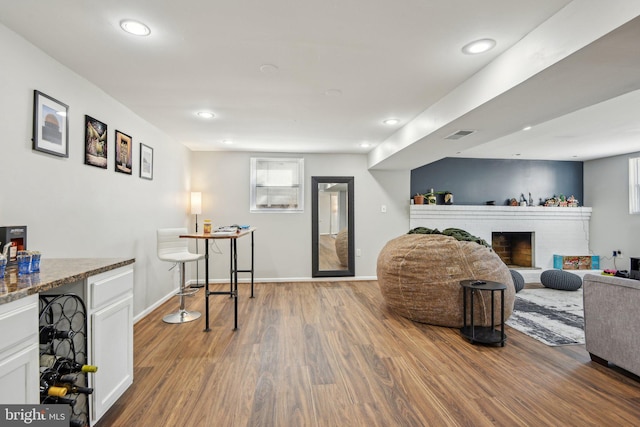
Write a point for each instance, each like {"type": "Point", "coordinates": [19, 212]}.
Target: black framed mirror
{"type": "Point", "coordinates": [332, 241]}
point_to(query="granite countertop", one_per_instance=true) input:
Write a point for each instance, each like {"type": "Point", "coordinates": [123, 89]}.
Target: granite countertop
{"type": "Point", "coordinates": [54, 273]}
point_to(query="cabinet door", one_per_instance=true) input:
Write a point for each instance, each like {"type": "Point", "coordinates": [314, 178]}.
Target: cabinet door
{"type": "Point", "coordinates": [19, 351]}
{"type": "Point", "coordinates": [112, 352]}
{"type": "Point", "coordinates": [19, 376]}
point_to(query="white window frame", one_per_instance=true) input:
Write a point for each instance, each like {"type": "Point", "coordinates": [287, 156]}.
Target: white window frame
{"type": "Point", "coordinates": [634, 185]}
{"type": "Point", "coordinates": [277, 185]}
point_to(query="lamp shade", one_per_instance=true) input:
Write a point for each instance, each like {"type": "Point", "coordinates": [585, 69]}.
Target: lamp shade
{"type": "Point", "coordinates": [196, 203]}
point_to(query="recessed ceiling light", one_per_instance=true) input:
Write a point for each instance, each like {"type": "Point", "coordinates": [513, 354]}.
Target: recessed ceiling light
{"type": "Point", "coordinates": [333, 92]}
{"type": "Point", "coordinates": [526, 128]}
{"type": "Point", "coordinates": [206, 115]}
{"type": "Point", "coordinates": [227, 141]}
{"type": "Point", "coordinates": [478, 46]}
{"type": "Point", "coordinates": [134, 27]}
{"type": "Point", "coordinates": [365, 145]}
{"type": "Point", "coordinates": [268, 68]}
{"type": "Point", "coordinates": [391, 122]}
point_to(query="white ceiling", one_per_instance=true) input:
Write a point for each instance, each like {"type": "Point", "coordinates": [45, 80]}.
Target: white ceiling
{"type": "Point", "coordinates": [385, 59]}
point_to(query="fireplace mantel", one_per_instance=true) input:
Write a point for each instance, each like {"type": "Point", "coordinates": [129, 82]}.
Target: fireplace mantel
{"type": "Point", "coordinates": [488, 213]}
{"type": "Point", "coordinates": [562, 231]}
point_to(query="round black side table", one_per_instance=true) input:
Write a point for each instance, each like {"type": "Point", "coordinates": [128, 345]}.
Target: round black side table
{"type": "Point", "coordinates": [482, 334]}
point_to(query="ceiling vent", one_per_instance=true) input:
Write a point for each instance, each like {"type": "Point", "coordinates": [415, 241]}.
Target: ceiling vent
{"type": "Point", "coordinates": [460, 134]}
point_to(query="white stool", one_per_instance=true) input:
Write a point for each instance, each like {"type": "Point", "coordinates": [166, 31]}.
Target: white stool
{"type": "Point", "coordinates": [174, 249]}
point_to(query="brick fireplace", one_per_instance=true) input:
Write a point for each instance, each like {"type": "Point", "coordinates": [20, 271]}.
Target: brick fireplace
{"type": "Point", "coordinates": [515, 249]}
{"type": "Point", "coordinates": [562, 231]}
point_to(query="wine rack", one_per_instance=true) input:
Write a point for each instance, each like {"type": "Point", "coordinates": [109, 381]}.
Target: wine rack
{"type": "Point", "coordinates": [63, 336]}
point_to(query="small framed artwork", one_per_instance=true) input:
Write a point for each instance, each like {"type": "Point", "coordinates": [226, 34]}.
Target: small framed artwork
{"type": "Point", "coordinates": [95, 142]}
{"type": "Point", "coordinates": [123, 152]}
{"type": "Point", "coordinates": [146, 162]}
{"type": "Point", "coordinates": [50, 125]}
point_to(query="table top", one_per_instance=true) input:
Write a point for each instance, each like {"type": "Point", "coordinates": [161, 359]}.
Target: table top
{"type": "Point", "coordinates": [241, 232]}
{"type": "Point", "coordinates": [485, 285]}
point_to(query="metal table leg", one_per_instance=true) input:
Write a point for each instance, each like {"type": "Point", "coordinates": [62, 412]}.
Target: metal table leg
{"type": "Point", "coordinates": [206, 284]}
{"type": "Point", "coordinates": [234, 292]}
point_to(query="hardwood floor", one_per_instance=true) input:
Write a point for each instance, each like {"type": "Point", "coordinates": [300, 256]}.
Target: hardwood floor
{"type": "Point", "coordinates": [331, 354]}
{"type": "Point", "coordinates": [327, 255]}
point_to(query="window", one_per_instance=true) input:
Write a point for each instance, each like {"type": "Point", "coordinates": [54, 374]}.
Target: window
{"type": "Point", "coordinates": [277, 185]}
{"type": "Point", "coordinates": [634, 185]}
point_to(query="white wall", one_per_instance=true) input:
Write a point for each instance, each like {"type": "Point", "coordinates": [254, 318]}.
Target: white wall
{"type": "Point", "coordinates": [75, 210]}
{"type": "Point", "coordinates": [606, 190]}
{"type": "Point", "coordinates": [283, 240]}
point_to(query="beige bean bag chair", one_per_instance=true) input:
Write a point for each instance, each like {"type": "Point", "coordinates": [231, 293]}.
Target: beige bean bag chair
{"type": "Point", "coordinates": [419, 276]}
{"type": "Point", "coordinates": [342, 246]}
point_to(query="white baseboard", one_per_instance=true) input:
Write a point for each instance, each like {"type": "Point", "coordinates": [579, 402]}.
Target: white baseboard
{"type": "Point", "coordinates": [152, 307]}
{"type": "Point", "coordinates": [288, 279]}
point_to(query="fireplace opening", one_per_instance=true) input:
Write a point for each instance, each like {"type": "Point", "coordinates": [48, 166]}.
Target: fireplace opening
{"type": "Point", "coordinates": [514, 248]}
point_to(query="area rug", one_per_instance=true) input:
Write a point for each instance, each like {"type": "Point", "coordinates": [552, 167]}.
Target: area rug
{"type": "Point", "coordinates": [551, 316]}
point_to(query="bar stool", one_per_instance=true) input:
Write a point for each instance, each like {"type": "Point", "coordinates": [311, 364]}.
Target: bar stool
{"type": "Point", "coordinates": [174, 249]}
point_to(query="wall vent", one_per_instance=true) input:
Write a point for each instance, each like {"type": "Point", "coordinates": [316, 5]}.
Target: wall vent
{"type": "Point", "coordinates": [460, 134]}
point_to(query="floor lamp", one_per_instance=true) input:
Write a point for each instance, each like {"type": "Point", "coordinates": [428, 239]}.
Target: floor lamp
{"type": "Point", "coordinates": [196, 209]}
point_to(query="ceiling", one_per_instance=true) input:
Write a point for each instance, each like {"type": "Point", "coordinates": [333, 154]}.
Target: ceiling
{"type": "Point", "coordinates": [321, 76]}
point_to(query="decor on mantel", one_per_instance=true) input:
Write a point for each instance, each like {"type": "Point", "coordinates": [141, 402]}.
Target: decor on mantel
{"type": "Point", "coordinates": [561, 201]}
{"type": "Point", "coordinates": [433, 197]}
{"type": "Point", "coordinates": [430, 198]}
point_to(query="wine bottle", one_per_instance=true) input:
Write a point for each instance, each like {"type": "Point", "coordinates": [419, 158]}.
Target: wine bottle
{"type": "Point", "coordinates": [60, 400]}
{"type": "Point", "coordinates": [48, 387]}
{"type": "Point", "coordinates": [64, 365]}
{"type": "Point", "coordinates": [49, 333]}
{"type": "Point", "coordinates": [72, 388]}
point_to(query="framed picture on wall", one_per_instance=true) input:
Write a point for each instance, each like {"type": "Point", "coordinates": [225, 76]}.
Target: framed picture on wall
{"type": "Point", "coordinates": [146, 161]}
{"type": "Point", "coordinates": [50, 125]}
{"type": "Point", "coordinates": [95, 142]}
{"type": "Point", "coordinates": [123, 152]}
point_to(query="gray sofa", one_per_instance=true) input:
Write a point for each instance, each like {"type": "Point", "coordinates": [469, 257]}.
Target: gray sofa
{"type": "Point", "coordinates": [611, 321]}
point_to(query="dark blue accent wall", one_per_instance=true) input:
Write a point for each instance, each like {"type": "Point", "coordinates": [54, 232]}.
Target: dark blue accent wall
{"type": "Point", "coordinates": [476, 181]}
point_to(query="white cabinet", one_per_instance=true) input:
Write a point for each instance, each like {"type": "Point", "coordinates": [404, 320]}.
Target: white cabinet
{"type": "Point", "coordinates": [108, 298]}
{"type": "Point", "coordinates": [110, 318]}
{"type": "Point", "coordinates": [19, 374]}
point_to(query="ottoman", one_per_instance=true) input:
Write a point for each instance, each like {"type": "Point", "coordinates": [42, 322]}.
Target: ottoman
{"type": "Point", "coordinates": [561, 280]}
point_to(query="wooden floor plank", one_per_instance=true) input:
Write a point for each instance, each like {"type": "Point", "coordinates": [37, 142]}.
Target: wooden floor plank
{"type": "Point", "coordinates": [332, 353]}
